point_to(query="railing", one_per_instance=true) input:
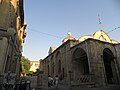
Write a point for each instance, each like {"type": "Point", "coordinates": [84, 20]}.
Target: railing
{"type": "Point", "coordinates": [82, 80]}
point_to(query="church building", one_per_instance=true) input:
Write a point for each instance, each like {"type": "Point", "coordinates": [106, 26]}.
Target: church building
{"type": "Point", "coordinates": [90, 60]}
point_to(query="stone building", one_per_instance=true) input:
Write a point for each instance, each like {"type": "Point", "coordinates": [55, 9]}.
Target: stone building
{"type": "Point", "coordinates": [91, 60]}
{"type": "Point", "coordinates": [12, 35]}
{"type": "Point", "coordinates": [34, 66]}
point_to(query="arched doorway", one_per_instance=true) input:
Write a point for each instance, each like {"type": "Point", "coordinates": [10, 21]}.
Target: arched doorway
{"type": "Point", "coordinates": [109, 65]}
{"type": "Point", "coordinates": [80, 63]}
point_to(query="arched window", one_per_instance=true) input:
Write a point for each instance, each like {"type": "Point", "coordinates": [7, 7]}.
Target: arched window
{"type": "Point", "coordinates": [58, 63]}
{"type": "Point", "coordinates": [59, 66]}
{"type": "Point", "coordinates": [52, 65]}
{"type": "Point", "coordinates": [48, 69]}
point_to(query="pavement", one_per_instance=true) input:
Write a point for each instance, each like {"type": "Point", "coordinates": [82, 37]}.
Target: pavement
{"type": "Point", "coordinates": [111, 87]}
{"type": "Point", "coordinates": [63, 87]}
{"type": "Point", "coordinates": [45, 86]}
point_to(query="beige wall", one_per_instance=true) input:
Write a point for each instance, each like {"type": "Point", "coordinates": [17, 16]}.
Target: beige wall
{"type": "Point", "coordinates": [8, 14]}
{"type": "Point", "coordinates": [34, 65]}
{"type": "Point", "coordinates": [12, 27]}
{"type": "Point", "coordinates": [3, 52]}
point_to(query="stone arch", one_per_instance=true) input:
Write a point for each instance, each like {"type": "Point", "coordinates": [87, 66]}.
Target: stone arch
{"type": "Point", "coordinates": [109, 65]}
{"type": "Point", "coordinates": [80, 62]}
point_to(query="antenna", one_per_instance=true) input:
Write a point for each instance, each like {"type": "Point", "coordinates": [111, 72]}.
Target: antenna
{"type": "Point", "coordinates": [100, 23]}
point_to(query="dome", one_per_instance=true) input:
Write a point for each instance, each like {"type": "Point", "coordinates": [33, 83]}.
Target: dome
{"type": "Point", "coordinates": [68, 37]}
{"type": "Point", "coordinates": [69, 33]}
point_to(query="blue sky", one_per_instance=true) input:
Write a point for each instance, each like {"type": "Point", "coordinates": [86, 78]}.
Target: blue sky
{"type": "Point", "coordinates": [57, 17]}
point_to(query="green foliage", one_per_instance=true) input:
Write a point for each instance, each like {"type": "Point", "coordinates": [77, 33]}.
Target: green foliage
{"type": "Point", "coordinates": [25, 64]}
{"type": "Point", "coordinates": [30, 72]}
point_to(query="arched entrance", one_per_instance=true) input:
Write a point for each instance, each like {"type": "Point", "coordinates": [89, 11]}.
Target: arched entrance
{"type": "Point", "coordinates": [109, 65]}
{"type": "Point", "coordinates": [80, 63]}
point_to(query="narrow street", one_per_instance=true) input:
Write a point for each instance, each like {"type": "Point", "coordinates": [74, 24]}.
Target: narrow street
{"type": "Point", "coordinates": [59, 45]}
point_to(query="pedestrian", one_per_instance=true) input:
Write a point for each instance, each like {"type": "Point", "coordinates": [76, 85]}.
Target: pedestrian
{"type": "Point", "coordinates": [8, 81]}
{"type": "Point", "coordinates": [56, 81]}
{"type": "Point", "coordinates": [23, 83]}
{"type": "Point", "coordinates": [50, 81]}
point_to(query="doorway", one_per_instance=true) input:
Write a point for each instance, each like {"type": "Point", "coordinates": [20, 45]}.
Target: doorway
{"type": "Point", "coordinates": [80, 62]}
{"type": "Point", "coordinates": [109, 66]}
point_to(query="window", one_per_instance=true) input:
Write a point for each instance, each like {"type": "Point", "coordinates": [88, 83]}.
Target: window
{"type": "Point", "coordinates": [36, 65]}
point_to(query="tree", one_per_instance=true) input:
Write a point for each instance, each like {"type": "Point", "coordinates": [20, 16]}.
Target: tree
{"type": "Point", "coordinates": [25, 64]}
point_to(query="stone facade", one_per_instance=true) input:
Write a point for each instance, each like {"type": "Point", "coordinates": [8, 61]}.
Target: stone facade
{"type": "Point", "coordinates": [12, 34]}
{"type": "Point", "coordinates": [94, 61]}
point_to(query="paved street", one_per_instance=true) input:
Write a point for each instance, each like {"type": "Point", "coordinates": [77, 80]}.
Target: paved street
{"type": "Point", "coordinates": [65, 87]}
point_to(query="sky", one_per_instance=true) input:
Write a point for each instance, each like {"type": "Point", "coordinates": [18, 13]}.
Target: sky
{"type": "Point", "coordinates": [49, 21]}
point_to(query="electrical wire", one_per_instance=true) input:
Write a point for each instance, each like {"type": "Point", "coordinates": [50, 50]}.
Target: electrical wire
{"type": "Point", "coordinates": [34, 30]}
{"type": "Point", "coordinates": [113, 30]}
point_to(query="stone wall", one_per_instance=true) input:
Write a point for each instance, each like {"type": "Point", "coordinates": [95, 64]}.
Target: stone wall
{"type": "Point", "coordinates": [12, 35]}
{"type": "Point", "coordinates": [3, 52]}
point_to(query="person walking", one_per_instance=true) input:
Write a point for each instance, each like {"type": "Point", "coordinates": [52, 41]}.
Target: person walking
{"type": "Point", "coordinates": [56, 81]}
{"type": "Point", "coordinates": [8, 81]}
{"type": "Point", "coordinates": [50, 82]}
